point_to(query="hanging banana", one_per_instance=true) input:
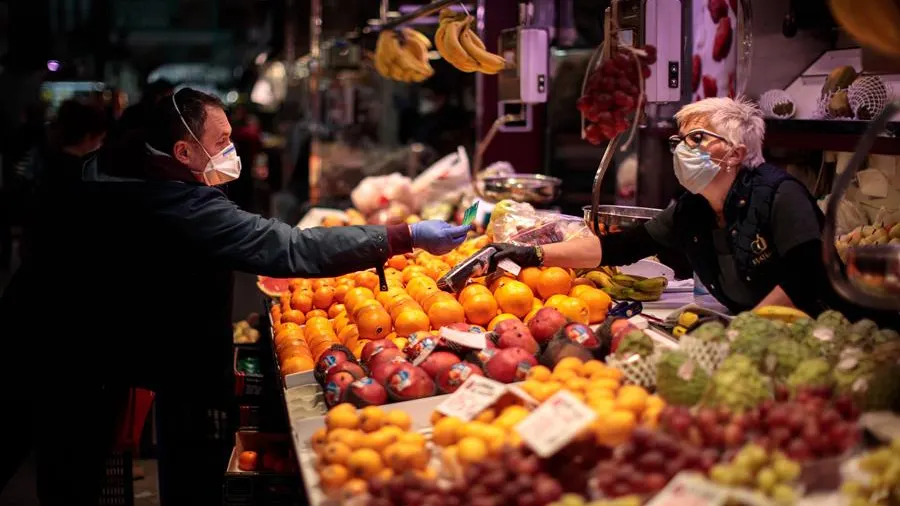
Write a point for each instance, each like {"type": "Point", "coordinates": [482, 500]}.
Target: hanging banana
{"type": "Point", "coordinates": [461, 47]}
{"type": "Point", "coordinates": [402, 56]}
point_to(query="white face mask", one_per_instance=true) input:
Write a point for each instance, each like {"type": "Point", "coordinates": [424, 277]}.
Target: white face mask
{"type": "Point", "coordinates": [694, 168]}
{"type": "Point", "coordinates": [222, 167]}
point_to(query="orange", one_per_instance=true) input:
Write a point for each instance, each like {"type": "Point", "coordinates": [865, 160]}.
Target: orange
{"type": "Point", "coordinates": [347, 334]}
{"type": "Point", "coordinates": [288, 329]}
{"type": "Point", "coordinates": [363, 305]}
{"type": "Point", "coordinates": [480, 308]}
{"type": "Point", "coordinates": [340, 321]}
{"type": "Point", "coordinates": [472, 289]}
{"type": "Point", "coordinates": [397, 262]}
{"type": "Point", "coordinates": [578, 289]}
{"type": "Point", "coordinates": [399, 306]}
{"type": "Point", "coordinates": [575, 310]}
{"type": "Point", "coordinates": [356, 295]}
{"type": "Point", "coordinates": [553, 281]}
{"type": "Point", "coordinates": [298, 284]}
{"type": "Point", "coordinates": [285, 301]}
{"type": "Point", "coordinates": [302, 301]}
{"type": "Point", "coordinates": [358, 347]}
{"type": "Point", "coordinates": [297, 363]}
{"type": "Point", "coordinates": [614, 428]}
{"type": "Point", "coordinates": [499, 318]}
{"type": "Point", "coordinates": [385, 297]}
{"type": "Point", "coordinates": [316, 313]}
{"type": "Point", "coordinates": [293, 316]}
{"type": "Point", "coordinates": [409, 321]}
{"type": "Point", "coordinates": [317, 321]}
{"type": "Point", "coordinates": [367, 279]}
{"type": "Point", "coordinates": [323, 297]}
{"type": "Point", "coordinates": [536, 304]}
{"type": "Point", "coordinates": [319, 283]}
{"type": "Point", "coordinates": [597, 301]}
{"type": "Point", "coordinates": [554, 301]}
{"type": "Point", "coordinates": [446, 312]}
{"type": "Point", "coordinates": [411, 271]}
{"type": "Point", "coordinates": [364, 463]}
{"type": "Point", "coordinates": [416, 284]}
{"type": "Point", "coordinates": [632, 398]}
{"type": "Point", "coordinates": [340, 291]}
{"type": "Point", "coordinates": [335, 309]}
{"type": "Point", "coordinates": [500, 281]}
{"type": "Point", "coordinates": [374, 323]}
{"type": "Point", "coordinates": [294, 347]}
{"type": "Point", "coordinates": [333, 476]}
{"type": "Point", "coordinates": [426, 292]}
{"type": "Point", "coordinates": [434, 296]}
{"type": "Point", "coordinates": [530, 276]}
{"type": "Point", "coordinates": [515, 298]}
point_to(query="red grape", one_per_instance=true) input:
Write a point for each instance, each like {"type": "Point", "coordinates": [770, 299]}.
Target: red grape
{"type": "Point", "coordinates": [733, 435]}
{"type": "Point", "coordinates": [651, 54]}
{"type": "Point", "coordinates": [585, 103]}
{"type": "Point", "coordinates": [608, 131]}
{"type": "Point", "coordinates": [619, 489]}
{"type": "Point", "coordinates": [645, 72]}
{"type": "Point", "coordinates": [798, 450]}
{"type": "Point", "coordinates": [654, 482]}
{"type": "Point", "coordinates": [829, 417]}
{"type": "Point", "coordinates": [628, 104]}
{"type": "Point", "coordinates": [779, 435]}
{"type": "Point", "coordinates": [621, 127]}
{"type": "Point", "coordinates": [623, 83]}
{"type": "Point", "coordinates": [605, 118]}
{"type": "Point", "coordinates": [608, 84]}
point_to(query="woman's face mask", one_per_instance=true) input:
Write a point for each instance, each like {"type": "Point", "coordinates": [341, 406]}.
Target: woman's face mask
{"type": "Point", "coordinates": [694, 167]}
{"type": "Point", "coordinates": [223, 167]}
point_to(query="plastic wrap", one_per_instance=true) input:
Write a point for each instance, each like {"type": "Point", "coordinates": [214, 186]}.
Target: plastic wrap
{"type": "Point", "coordinates": [520, 223]}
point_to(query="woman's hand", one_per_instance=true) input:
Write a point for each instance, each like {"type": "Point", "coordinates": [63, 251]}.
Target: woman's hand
{"type": "Point", "coordinates": [437, 237]}
{"type": "Point", "coordinates": [523, 256]}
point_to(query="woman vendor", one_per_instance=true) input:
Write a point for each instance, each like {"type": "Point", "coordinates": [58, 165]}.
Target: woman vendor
{"type": "Point", "coordinates": [751, 232]}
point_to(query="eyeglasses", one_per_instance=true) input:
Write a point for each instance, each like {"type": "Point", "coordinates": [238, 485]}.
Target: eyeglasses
{"type": "Point", "coordinates": [694, 139]}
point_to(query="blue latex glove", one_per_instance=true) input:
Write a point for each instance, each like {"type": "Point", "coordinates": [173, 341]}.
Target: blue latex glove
{"type": "Point", "coordinates": [437, 237]}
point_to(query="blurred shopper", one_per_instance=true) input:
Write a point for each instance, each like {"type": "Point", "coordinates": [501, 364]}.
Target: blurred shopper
{"type": "Point", "coordinates": [441, 124]}
{"type": "Point", "coordinates": [248, 141]}
{"type": "Point", "coordinates": [142, 265]}
{"type": "Point", "coordinates": [134, 118]}
{"type": "Point", "coordinates": [77, 132]}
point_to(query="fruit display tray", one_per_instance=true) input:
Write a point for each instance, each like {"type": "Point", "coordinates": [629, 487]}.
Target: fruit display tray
{"type": "Point", "coordinates": [302, 430]}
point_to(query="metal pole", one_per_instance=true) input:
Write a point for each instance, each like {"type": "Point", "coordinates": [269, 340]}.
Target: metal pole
{"type": "Point", "coordinates": [315, 105]}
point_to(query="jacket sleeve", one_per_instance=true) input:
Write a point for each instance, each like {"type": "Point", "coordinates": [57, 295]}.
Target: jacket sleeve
{"type": "Point", "coordinates": [251, 243]}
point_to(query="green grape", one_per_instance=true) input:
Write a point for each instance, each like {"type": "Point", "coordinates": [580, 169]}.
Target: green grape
{"type": "Point", "coordinates": [571, 500]}
{"type": "Point", "coordinates": [756, 454]}
{"type": "Point", "coordinates": [852, 488]}
{"type": "Point", "coordinates": [766, 479]}
{"type": "Point", "coordinates": [859, 501]}
{"type": "Point", "coordinates": [895, 445]}
{"type": "Point", "coordinates": [786, 470]}
{"type": "Point", "coordinates": [891, 475]}
{"type": "Point", "coordinates": [745, 461]}
{"type": "Point", "coordinates": [876, 461]}
{"type": "Point", "coordinates": [784, 495]}
{"type": "Point", "coordinates": [742, 475]}
{"type": "Point", "coordinates": [722, 475]}
{"type": "Point", "coordinates": [876, 482]}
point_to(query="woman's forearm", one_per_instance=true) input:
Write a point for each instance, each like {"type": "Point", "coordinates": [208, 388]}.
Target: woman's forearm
{"type": "Point", "coordinates": [584, 253]}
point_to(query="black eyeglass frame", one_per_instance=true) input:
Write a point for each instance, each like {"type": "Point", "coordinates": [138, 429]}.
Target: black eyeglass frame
{"type": "Point", "coordinates": [700, 134]}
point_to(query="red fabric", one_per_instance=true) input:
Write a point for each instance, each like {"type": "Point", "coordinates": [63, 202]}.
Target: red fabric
{"type": "Point", "coordinates": [399, 239]}
{"type": "Point", "coordinates": [131, 422]}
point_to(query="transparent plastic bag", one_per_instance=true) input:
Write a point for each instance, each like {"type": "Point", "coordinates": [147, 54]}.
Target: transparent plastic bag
{"type": "Point", "coordinates": [520, 223]}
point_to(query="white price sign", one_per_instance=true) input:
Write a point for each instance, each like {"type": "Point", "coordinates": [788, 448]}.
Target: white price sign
{"type": "Point", "coordinates": [474, 396]}
{"type": "Point", "coordinates": [690, 489]}
{"type": "Point", "coordinates": [474, 340]}
{"type": "Point", "coordinates": [556, 422]}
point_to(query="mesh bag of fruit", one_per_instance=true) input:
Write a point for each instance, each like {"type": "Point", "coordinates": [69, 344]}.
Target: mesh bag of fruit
{"type": "Point", "coordinates": [637, 370]}
{"type": "Point", "coordinates": [706, 354]}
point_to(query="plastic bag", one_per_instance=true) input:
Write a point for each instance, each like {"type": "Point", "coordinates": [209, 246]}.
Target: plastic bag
{"type": "Point", "coordinates": [447, 177]}
{"type": "Point", "coordinates": [850, 215]}
{"type": "Point", "coordinates": [378, 192]}
{"type": "Point", "coordinates": [520, 223]}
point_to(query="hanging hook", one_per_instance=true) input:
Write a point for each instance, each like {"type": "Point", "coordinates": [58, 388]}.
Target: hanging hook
{"type": "Point", "coordinates": [463, 5]}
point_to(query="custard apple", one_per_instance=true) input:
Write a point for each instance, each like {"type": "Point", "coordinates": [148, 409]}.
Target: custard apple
{"type": "Point", "coordinates": [635, 342]}
{"type": "Point", "coordinates": [712, 332]}
{"type": "Point", "coordinates": [862, 334]}
{"type": "Point", "coordinates": [783, 356]}
{"type": "Point", "coordinates": [812, 372]}
{"type": "Point", "coordinates": [680, 380]}
{"type": "Point", "coordinates": [800, 328]}
{"type": "Point", "coordinates": [750, 335]}
{"type": "Point", "coordinates": [738, 385]}
{"type": "Point", "coordinates": [852, 366]}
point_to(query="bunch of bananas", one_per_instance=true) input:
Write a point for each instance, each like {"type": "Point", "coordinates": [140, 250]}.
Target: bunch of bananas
{"type": "Point", "coordinates": [782, 313]}
{"type": "Point", "coordinates": [402, 55]}
{"type": "Point", "coordinates": [458, 44]}
{"type": "Point", "coordinates": [627, 287]}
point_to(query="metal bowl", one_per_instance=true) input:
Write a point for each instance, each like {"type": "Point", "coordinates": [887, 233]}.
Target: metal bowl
{"type": "Point", "coordinates": [616, 218]}
{"type": "Point", "coordinates": [530, 188]}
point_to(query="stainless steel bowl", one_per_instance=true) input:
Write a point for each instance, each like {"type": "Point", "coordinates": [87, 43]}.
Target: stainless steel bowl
{"type": "Point", "coordinates": [530, 188]}
{"type": "Point", "coordinates": [616, 218]}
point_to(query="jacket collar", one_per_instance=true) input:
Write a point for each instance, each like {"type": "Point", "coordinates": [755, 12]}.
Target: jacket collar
{"type": "Point", "coordinates": [130, 158]}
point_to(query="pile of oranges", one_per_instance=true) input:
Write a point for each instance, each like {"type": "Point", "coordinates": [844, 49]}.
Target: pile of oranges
{"type": "Point", "coordinates": [356, 445]}
{"type": "Point", "coordinates": [620, 408]}
{"type": "Point", "coordinates": [351, 310]}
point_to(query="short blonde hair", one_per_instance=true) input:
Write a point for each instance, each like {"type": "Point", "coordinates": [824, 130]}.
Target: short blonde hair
{"type": "Point", "coordinates": [737, 119]}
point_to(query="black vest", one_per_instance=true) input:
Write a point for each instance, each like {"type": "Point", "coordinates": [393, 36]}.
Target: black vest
{"type": "Point", "coordinates": [748, 223]}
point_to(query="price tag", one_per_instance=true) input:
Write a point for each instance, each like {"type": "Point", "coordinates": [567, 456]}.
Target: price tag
{"type": "Point", "coordinates": [474, 396]}
{"type": "Point", "coordinates": [509, 266]}
{"type": "Point", "coordinates": [556, 422]}
{"type": "Point", "coordinates": [690, 489]}
{"type": "Point", "coordinates": [474, 340]}
{"type": "Point", "coordinates": [530, 402]}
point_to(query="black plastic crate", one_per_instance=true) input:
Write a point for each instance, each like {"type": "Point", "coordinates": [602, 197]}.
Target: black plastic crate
{"type": "Point", "coordinates": [118, 484]}
{"type": "Point", "coordinates": [263, 487]}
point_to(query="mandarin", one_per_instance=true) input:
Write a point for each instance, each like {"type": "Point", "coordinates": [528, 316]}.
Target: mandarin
{"type": "Point", "coordinates": [373, 323]}
{"type": "Point", "coordinates": [472, 289]}
{"type": "Point", "coordinates": [445, 312]}
{"type": "Point", "coordinates": [514, 297]}
{"type": "Point", "coordinates": [575, 310]}
{"type": "Point", "coordinates": [480, 308]}
{"type": "Point", "coordinates": [367, 279]}
{"type": "Point", "coordinates": [301, 301]}
{"type": "Point", "coordinates": [530, 276]}
{"type": "Point", "coordinates": [598, 303]}
{"type": "Point", "coordinates": [553, 281]}
{"type": "Point", "coordinates": [412, 320]}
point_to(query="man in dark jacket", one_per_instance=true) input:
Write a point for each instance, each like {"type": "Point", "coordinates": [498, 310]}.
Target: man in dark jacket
{"type": "Point", "coordinates": [140, 265]}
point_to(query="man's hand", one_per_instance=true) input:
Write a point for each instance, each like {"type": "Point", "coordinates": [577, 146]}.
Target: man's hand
{"type": "Point", "coordinates": [437, 237]}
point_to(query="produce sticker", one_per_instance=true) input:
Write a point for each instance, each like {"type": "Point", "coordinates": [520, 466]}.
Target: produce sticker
{"type": "Point", "coordinates": [474, 396]}
{"type": "Point", "coordinates": [689, 489]}
{"type": "Point", "coordinates": [555, 423]}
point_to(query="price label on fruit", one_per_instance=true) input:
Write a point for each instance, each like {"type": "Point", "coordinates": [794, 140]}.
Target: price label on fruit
{"type": "Point", "coordinates": [555, 423]}
{"type": "Point", "coordinates": [474, 340]}
{"type": "Point", "coordinates": [688, 489]}
{"type": "Point", "coordinates": [474, 396]}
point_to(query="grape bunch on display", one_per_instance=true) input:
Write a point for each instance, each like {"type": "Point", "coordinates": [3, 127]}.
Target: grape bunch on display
{"type": "Point", "coordinates": [614, 91]}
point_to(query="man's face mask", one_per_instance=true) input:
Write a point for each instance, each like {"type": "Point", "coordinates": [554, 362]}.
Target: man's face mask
{"type": "Point", "coordinates": [222, 167]}
{"type": "Point", "coordinates": [694, 167]}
